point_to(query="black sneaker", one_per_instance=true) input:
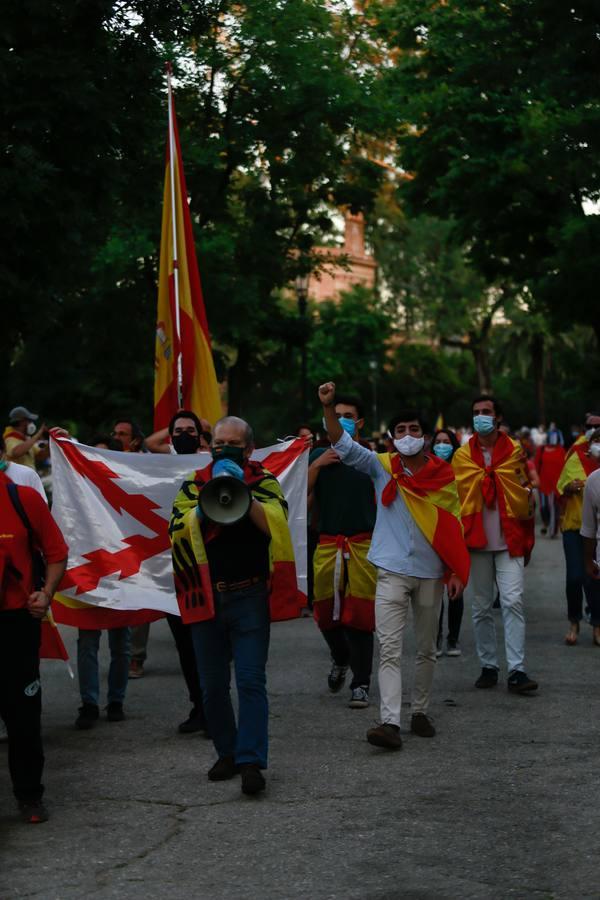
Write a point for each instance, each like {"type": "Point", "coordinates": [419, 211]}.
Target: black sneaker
{"type": "Point", "coordinates": [488, 678]}
{"type": "Point", "coordinates": [252, 779]}
{"type": "Point", "coordinates": [194, 722]}
{"type": "Point", "coordinates": [114, 711]}
{"type": "Point", "coordinates": [421, 725]}
{"type": "Point", "coordinates": [33, 812]}
{"type": "Point", "coordinates": [521, 683]}
{"type": "Point", "coordinates": [88, 716]}
{"type": "Point", "coordinates": [336, 678]}
{"type": "Point", "coordinates": [224, 769]}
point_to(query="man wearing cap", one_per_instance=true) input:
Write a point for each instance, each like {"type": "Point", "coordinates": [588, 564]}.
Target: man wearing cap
{"type": "Point", "coordinates": [21, 436]}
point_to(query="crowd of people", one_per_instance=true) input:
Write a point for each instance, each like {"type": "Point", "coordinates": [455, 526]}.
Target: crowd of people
{"type": "Point", "coordinates": [432, 521]}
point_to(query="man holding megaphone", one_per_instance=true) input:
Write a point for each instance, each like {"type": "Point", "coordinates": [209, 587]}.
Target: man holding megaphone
{"type": "Point", "coordinates": [231, 547]}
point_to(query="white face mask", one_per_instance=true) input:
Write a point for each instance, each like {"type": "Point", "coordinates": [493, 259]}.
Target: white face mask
{"type": "Point", "coordinates": [595, 450]}
{"type": "Point", "coordinates": [31, 429]}
{"type": "Point", "coordinates": [408, 445]}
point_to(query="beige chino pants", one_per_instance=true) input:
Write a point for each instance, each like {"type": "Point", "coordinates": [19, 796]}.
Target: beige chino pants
{"type": "Point", "coordinates": [393, 596]}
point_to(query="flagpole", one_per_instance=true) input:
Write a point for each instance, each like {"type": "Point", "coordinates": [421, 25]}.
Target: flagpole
{"type": "Point", "coordinates": [172, 150]}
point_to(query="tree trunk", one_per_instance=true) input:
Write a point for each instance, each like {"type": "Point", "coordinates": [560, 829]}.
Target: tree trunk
{"type": "Point", "coordinates": [482, 364]}
{"type": "Point", "coordinates": [237, 381]}
{"type": "Point", "coordinates": [537, 361]}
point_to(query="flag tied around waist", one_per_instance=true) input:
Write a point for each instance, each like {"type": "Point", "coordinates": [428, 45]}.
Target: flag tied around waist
{"type": "Point", "coordinates": [113, 509]}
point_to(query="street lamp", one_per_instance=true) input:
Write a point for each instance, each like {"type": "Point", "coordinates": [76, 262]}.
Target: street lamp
{"type": "Point", "coordinates": [301, 285]}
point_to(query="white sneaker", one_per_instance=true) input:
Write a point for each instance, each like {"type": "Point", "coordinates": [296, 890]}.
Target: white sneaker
{"type": "Point", "coordinates": [359, 698]}
{"type": "Point", "coordinates": [452, 648]}
{"type": "Point", "coordinates": [439, 651]}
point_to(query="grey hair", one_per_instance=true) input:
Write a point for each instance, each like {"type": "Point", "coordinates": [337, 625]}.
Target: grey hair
{"type": "Point", "coordinates": [235, 420]}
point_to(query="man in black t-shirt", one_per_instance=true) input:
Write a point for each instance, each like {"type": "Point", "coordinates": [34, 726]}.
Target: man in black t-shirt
{"type": "Point", "coordinates": [343, 501]}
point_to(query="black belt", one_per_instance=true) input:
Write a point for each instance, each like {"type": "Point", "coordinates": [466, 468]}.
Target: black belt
{"type": "Point", "coordinates": [224, 586]}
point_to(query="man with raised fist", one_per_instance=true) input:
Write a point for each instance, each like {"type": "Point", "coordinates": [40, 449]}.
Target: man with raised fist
{"type": "Point", "coordinates": [417, 544]}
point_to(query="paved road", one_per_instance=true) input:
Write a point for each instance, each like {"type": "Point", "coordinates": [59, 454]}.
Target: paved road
{"type": "Point", "coordinates": [502, 803]}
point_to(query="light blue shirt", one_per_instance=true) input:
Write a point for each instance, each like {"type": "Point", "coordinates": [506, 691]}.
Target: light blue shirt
{"type": "Point", "coordinates": [398, 544]}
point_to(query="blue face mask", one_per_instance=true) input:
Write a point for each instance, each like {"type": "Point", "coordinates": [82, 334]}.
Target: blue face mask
{"type": "Point", "coordinates": [444, 451]}
{"type": "Point", "coordinates": [349, 425]}
{"type": "Point", "coordinates": [483, 424]}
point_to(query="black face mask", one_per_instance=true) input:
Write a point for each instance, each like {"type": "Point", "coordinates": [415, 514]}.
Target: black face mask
{"type": "Point", "coordinates": [186, 443]}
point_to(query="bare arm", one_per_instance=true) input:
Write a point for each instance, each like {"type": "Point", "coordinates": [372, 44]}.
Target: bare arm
{"type": "Point", "coordinates": [328, 458]}
{"type": "Point", "coordinates": [24, 446]}
{"type": "Point", "coordinates": [158, 442]}
{"type": "Point", "coordinates": [327, 398]}
{"type": "Point", "coordinates": [39, 601]}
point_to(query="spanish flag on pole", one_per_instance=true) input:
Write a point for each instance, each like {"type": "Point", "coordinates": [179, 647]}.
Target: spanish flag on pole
{"type": "Point", "coordinates": [184, 369]}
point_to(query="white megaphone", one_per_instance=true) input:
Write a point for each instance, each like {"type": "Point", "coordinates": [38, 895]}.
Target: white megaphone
{"type": "Point", "coordinates": [225, 500]}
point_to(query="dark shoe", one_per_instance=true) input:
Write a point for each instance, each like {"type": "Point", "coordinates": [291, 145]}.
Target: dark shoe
{"type": "Point", "coordinates": [224, 769]}
{"type": "Point", "coordinates": [385, 735]}
{"type": "Point", "coordinates": [33, 812]}
{"type": "Point", "coordinates": [520, 683]}
{"type": "Point", "coordinates": [488, 678]}
{"type": "Point", "coordinates": [114, 712]}
{"type": "Point", "coordinates": [194, 722]}
{"type": "Point", "coordinates": [421, 725]}
{"type": "Point", "coordinates": [252, 779]}
{"type": "Point", "coordinates": [88, 716]}
{"type": "Point", "coordinates": [336, 678]}
{"type": "Point", "coordinates": [359, 699]}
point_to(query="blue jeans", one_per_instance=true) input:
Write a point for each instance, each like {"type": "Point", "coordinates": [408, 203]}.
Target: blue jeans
{"type": "Point", "coordinates": [239, 631]}
{"type": "Point", "coordinates": [119, 640]}
{"type": "Point", "coordinates": [578, 582]}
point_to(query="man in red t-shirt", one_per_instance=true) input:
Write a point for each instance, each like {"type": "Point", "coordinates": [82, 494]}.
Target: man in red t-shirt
{"type": "Point", "coordinates": [23, 605]}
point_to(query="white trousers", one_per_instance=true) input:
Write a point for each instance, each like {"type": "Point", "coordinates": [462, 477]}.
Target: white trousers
{"type": "Point", "coordinates": [393, 596]}
{"type": "Point", "coordinates": [488, 570]}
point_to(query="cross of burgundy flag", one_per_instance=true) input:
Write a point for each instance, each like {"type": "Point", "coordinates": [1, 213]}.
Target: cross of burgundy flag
{"type": "Point", "coordinates": [113, 509]}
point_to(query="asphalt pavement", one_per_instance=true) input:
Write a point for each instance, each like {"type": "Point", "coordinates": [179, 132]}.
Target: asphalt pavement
{"type": "Point", "coordinates": [502, 803]}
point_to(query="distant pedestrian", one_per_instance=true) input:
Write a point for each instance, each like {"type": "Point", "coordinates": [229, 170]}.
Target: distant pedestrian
{"type": "Point", "coordinates": [444, 445]}
{"type": "Point", "coordinates": [579, 465]}
{"type": "Point", "coordinates": [590, 531]}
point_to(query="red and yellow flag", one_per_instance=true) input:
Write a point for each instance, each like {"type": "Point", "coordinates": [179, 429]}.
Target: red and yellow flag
{"type": "Point", "coordinates": [578, 466]}
{"type": "Point", "coordinates": [183, 350]}
{"type": "Point", "coordinates": [505, 482]}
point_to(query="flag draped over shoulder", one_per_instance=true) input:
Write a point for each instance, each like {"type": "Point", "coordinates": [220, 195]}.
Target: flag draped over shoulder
{"type": "Point", "coordinates": [504, 482]}
{"type": "Point", "coordinates": [432, 500]}
{"type": "Point", "coordinates": [179, 279]}
{"type": "Point", "coordinates": [578, 466]}
{"type": "Point", "coordinates": [190, 564]}
{"type": "Point", "coordinates": [113, 509]}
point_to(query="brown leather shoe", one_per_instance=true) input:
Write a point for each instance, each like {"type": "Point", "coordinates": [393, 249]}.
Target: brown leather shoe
{"type": "Point", "coordinates": [385, 735]}
{"type": "Point", "coordinates": [421, 725]}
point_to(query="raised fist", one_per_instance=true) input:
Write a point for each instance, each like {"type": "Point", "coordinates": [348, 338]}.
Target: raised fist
{"type": "Point", "coordinates": [327, 393]}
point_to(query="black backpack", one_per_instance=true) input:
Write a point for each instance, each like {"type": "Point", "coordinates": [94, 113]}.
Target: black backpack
{"type": "Point", "coordinates": [38, 563]}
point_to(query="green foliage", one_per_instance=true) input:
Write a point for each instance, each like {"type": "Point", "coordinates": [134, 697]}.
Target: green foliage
{"type": "Point", "coordinates": [504, 109]}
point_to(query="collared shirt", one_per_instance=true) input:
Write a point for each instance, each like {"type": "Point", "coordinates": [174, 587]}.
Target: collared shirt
{"type": "Point", "coordinates": [398, 544]}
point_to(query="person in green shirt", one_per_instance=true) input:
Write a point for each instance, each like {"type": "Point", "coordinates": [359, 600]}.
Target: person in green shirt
{"type": "Point", "coordinates": [343, 504]}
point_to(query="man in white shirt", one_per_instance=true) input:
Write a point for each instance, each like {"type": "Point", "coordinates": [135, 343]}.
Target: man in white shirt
{"type": "Point", "coordinates": [590, 532]}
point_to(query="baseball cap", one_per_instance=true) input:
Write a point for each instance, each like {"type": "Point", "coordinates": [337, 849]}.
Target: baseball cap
{"type": "Point", "coordinates": [21, 412]}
